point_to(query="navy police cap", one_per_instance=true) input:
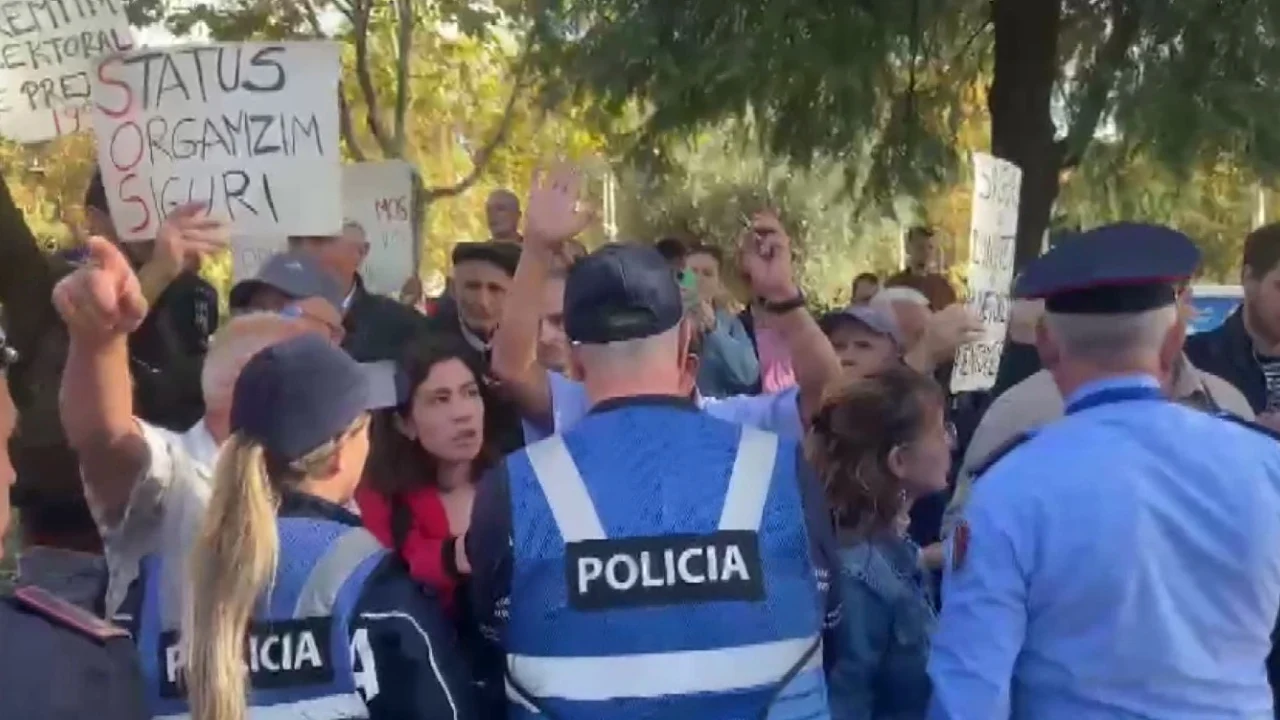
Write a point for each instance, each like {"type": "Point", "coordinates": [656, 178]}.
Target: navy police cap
{"type": "Point", "coordinates": [621, 292]}
{"type": "Point", "coordinates": [1121, 268]}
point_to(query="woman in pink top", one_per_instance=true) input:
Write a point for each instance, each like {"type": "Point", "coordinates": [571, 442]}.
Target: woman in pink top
{"type": "Point", "coordinates": [776, 373]}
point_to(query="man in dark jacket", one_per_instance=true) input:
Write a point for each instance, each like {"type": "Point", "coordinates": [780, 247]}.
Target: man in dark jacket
{"type": "Point", "coordinates": [377, 327]}
{"type": "Point", "coordinates": [1245, 350]}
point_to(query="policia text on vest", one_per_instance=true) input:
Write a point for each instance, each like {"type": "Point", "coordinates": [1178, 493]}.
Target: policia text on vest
{"type": "Point", "coordinates": [664, 570]}
{"type": "Point", "coordinates": [279, 654]}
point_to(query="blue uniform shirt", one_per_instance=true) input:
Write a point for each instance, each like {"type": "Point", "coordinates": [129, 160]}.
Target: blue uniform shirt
{"type": "Point", "coordinates": [489, 548]}
{"type": "Point", "coordinates": [406, 657]}
{"type": "Point", "coordinates": [1122, 563]}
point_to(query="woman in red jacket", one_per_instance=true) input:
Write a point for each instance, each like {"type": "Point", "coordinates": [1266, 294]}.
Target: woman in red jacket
{"type": "Point", "coordinates": [426, 457]}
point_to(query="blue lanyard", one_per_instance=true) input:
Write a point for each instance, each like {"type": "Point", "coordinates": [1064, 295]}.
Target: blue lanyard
{"type": "Point", "coordinates": [1116, 395]}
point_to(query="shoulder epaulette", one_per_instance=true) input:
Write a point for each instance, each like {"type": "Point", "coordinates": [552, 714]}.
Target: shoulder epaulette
{"type": "Point", "coordinates": [63, 613]}
{"type": "Point", "coordinates": [1004, 449]}
{"type": "Point", "coordinates": [1249, 424]}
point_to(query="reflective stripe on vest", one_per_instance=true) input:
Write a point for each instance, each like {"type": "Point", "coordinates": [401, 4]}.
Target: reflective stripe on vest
{"type": "Point", "coordinates": [575, 515]}
{"type": "Point", "coordinates": [660, 675]}
{"type": "Point", "coordinates": [657, 675]}
{"type": "Point", "coordinates": [332, 707]}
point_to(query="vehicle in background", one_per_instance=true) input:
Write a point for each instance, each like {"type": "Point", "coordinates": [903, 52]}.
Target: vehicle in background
{"type": "Point", "coordinates": [1213, 304]}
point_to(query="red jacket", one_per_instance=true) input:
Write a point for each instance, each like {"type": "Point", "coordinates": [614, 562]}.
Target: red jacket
{"type": "Point", "coordinates": [426, 546]}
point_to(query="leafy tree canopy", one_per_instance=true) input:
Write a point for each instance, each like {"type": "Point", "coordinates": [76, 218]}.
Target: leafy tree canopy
{"type": "Point", "coordinates": [878, 84]}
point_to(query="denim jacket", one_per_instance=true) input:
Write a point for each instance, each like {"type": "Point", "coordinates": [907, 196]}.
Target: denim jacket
{"type": "Point", "coordinates": [880, 671]}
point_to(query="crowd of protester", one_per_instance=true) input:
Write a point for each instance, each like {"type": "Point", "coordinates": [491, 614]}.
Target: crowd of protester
{"type": "Point", "coordinates": [600, 485]}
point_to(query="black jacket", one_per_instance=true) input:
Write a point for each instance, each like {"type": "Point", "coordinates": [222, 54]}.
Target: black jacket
{"type": "Point", "coordinates": [378, 328]}
{"type": "Point", "coordinates": [166, 353]}
{"type": "Point", "coordinates": [1228, 353]}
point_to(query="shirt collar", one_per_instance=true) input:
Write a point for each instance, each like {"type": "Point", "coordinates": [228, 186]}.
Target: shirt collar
{"type": "Point", "coordinates": [297, 504]}
{"type": "Point", "coordinates": [1134, 380]}
{"type": "Point", "coordinates": [672, 401]}
{"type": "Point", "coordinates": [199, 444]}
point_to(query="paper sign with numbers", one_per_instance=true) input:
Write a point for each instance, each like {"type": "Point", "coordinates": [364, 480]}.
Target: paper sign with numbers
{"type": "Point", "coordinates": [378, 196]}
{"type": "Point", "coordinates": [992, 242]}
{"type": "Point", "coordinates": [49, 50]}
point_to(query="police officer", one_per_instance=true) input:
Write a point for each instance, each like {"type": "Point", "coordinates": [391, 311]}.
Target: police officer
{"type": "Point", "coordinates": [652, 561]}
{"type": "Point", "coordinates": [1124, 561]}
{"type": "Point", "coordinates": [57, 660]}
{"type": "Point", "coordinates": [334, 625]}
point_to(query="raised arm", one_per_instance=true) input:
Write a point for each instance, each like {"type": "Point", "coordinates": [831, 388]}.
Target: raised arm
{"type": "Point", "coordinates": [552, 216]}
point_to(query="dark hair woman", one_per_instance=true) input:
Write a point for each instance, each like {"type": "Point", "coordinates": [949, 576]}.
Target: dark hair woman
{"type": "Point", "coordinates": [426, 455]}
{"type": "Point", "coordinates": [878, 445]}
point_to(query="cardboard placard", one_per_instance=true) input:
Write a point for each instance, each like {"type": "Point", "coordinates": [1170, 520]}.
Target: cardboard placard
{"type": "Point", "coordinates": [993, 237]}
{"type": "Point", "coordinates": [378, 196]}
{"type": "Point", "coordinates": [48, 50]}
{"type": "Point", "coordinates": [251, 129]}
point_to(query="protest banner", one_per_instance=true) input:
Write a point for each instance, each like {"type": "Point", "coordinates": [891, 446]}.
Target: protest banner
{"type": "Point", "coordinates": [47, 51]}
{"type": "Point", "coordinates": [249, 253]}
{"type": "Point", "coordinates": [378, 197]}
{"type": "Point", "coordinates": [251, 129]}
{"type": "Point", "coordinates": [993, 238]}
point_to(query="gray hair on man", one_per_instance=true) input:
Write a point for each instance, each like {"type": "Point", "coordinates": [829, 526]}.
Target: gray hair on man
{"type": "Point", "coordinates": [1105, 339]}
{"type": "Point", "coordinates": [629, 356]}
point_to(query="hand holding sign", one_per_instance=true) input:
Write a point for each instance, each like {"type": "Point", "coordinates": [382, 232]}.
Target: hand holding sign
{"type": "Point", "coordinates": [102, 299]}
{"type": "Point", "coordinates": [188, 232]}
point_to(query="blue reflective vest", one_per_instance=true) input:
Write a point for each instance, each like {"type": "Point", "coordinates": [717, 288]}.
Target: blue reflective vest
{"type": "Point", "coordinates": [661, 568]}
{"type": "Point", "coordinates": [299, 646]}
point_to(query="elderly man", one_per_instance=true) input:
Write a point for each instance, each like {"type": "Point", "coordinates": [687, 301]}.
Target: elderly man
{"type": "Point", "coordinates": [1124, 561]}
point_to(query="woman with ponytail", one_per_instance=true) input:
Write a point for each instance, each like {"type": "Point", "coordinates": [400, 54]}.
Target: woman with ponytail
{"type": "Point", "coordinates": [878, 445]}
{"type": "Point", "coordinates": [293, 610]}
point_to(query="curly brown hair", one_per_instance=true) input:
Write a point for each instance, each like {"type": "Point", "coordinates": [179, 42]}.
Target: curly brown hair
{"type": "Point", "coordinates": [851, 438]}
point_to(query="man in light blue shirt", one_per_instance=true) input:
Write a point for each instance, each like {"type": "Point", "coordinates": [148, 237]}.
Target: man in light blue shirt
{"type": "Point", "coordinates": [1123, 562]}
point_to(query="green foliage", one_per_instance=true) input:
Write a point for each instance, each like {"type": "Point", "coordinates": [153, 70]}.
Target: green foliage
{"type": "Point", "coordinates": [884, 80]}
{"type": "Point", "coordinates": [723, 178]}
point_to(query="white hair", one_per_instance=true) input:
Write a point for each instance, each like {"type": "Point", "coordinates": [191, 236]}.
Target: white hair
{"type": "Point", "coordinates": [901, 293]}
{"type": "Point", "coordinates": [234, 344]}
{"type": "Point", "coordinates": [1107, 337]}
{"type": "Point", "coordinates": [627, 355]}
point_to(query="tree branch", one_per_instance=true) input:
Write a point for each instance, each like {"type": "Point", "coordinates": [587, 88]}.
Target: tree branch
{"type": "Point", "coordinates": [404, 44]}
{"type": "Point", "coordinates": [373, 109]}
{"type": "Point", "coordinates": [346, 128]}
{"type": "Point", "coordinates": [1099, 81]}
{"type": "Point", "coordinates": [344, 109]}
{"type": "Point", "coordinates": [481, 159]}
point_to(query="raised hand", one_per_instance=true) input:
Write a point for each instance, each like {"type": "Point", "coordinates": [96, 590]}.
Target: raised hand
{"type": "Point", "coordinates": [765, 249]}
{"type": "Point", "coordinates": [102, 299]}
{"type": "Point", "coordinates": [188, 232]}
{"type": "Point", "coordinates": [951, 327]}
{"type": "Point", "coordinates": [553, 213]}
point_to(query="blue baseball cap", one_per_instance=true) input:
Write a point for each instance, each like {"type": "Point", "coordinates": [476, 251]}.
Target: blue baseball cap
{"type": "Point", "coordinates": [295, 274]}
{"type": "Point", "coordinates": [620, 292]}
{"type": "Point", "coordinates": [1121, 268]}
{"type": "Point", "coordinates": [297, 395]}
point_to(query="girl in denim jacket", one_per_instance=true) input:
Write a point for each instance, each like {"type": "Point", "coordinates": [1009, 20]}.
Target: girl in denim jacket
{"type": "Point", "coordinates": [878, 445]}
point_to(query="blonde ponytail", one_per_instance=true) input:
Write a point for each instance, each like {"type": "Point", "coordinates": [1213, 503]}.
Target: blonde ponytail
{"type": "Point", "coordinates": [233, 560]}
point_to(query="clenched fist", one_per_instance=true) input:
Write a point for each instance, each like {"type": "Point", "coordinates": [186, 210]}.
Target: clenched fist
{"type": "Point", "coordinates": [102, 299]}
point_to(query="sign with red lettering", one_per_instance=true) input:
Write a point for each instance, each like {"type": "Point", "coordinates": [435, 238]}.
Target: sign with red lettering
{"type": "Point", "coordinates": [251, 129]}
{"type": "Point", "coordinates": [378, 197]}
{"type": "Point", "coordinates": [48, 50]}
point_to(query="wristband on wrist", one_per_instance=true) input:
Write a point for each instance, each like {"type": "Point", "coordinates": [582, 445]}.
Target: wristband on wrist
{"type": "Point", "coordinates": [785, 306]}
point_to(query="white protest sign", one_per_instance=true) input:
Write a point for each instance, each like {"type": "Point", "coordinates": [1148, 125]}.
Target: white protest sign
{"type": "Point", "coordinates": [378, 197]}
{"type": "Point", "coordinates": [992, 241]}
{"type": "Point", "coordinates": [249, 128]}
{"type": "Point", "coordinates": [249, 253]}
{"type": "Point", "coordinates": [48, 48]}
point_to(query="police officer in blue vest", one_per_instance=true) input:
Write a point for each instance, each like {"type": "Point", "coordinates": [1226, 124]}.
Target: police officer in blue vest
{"type": "Point", "coordinates": [652, 561]}
{"type": "Point", "coordinates": [1124, 561]}
{"type": "Point", "coordinates": [56, 659]}
{"type": "Point", "coordinates": [328, 623]}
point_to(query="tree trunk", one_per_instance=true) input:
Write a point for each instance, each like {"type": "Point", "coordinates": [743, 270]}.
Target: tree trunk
{"type": "Point", "coordinates": [1022, 129]}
